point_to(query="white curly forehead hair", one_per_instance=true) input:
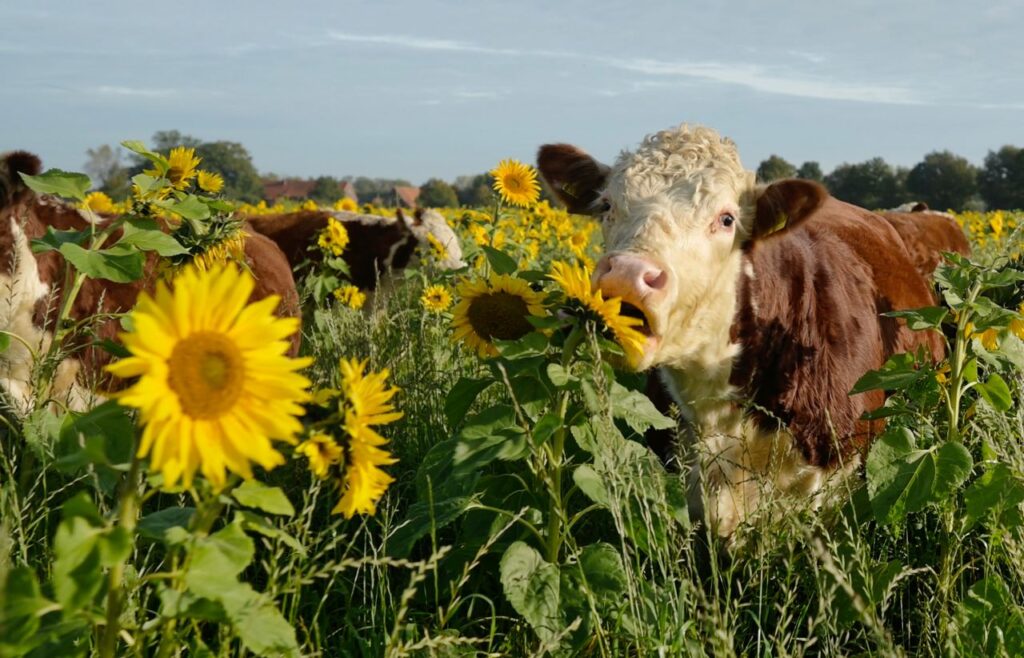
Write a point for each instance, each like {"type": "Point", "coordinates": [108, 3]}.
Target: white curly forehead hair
{"type": "Point", "coordinates": [697, 155]}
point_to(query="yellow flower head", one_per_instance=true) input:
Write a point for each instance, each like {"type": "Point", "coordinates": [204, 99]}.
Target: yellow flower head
{"type": "Point", "coordinates": [210, 182]}
{"type": "Point", "coordinates": [309, 204]}
{"type": "Point", "coordinates": [989, 338]}
{"type": "Point", "coordinates": [436, 298]}
{"type": "Point", "coordinates": [98, 202]}
{"type": "Point", "coordinates": [494, 308]}
{"type": "Point", "coordinates": [182, 167]}
{"type": "Point", "coordinates": [334, 238]}
{"type": "Point", "coordinates": [346, 204]}
{"type": "Point", "coordinates": [215, 385]}
{"type": "Point", "coordinates": [574, 282]}
{"type": "Point", "coordinates": [516, 182]}
{"type": "Point", "coordinates": [1017, 324]}
{"type": "Point", "coordinates": [350, 296]}
{"type": "Point", "coordinates": [323, 452]}
{"type": "Point", "coordinates": [439, 250]}
{"type": "Point", "coordinates": [365, 401]}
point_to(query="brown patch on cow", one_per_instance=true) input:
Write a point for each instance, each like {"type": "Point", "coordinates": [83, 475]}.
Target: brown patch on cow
{"type": "Point", "coordinates": [810, 325]}
{"type": "Point", "coordinates": [927, 235]}
{"type": "Point", "coordinates": [785, 204]}
{"type": "Point", "coordinates": [576, 178]}
{"type": "Point", "coordinates": [375, 244]}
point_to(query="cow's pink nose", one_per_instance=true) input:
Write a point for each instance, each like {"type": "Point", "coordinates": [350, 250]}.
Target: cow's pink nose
{"type": "Point", "coordinates": [630, 276]}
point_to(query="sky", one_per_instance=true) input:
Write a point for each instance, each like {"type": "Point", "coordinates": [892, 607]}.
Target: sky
{"type": "Point", "coordinates": [425, 88]}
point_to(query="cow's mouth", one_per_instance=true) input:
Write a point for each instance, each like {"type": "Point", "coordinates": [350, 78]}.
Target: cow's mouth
{"type": "Point", "coordinates": [632, 311]}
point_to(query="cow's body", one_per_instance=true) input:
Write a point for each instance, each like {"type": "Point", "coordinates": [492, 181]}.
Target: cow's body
{"type": "Point", "coordinates": [33, 290]}
{"type": "Point", "coordinates": [927, 234]}
{"type": "Point", "coordinates": [763, 308]}
{"type": "Point", "coordinates": [377, 245]}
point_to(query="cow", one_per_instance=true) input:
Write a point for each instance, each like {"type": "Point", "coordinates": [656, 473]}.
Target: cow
{"type": "Point", "coordinates": [762, 307]}
{"type": "Point", "coordinates": [32, 288]}
{"type": "Point", "coordinates": [377, 245]}
{"type": "Point", "coordinates": [927, 234]}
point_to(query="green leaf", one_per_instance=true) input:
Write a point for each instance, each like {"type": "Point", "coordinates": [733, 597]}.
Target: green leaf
{"type": "Point", "coordinates": [921, 319]}
{"type": "Point", "coordinates": [546, 427]}
{"type": "Point", "coordinates": [995, 492]}
{"type": "Point", "coordinates": [191, 208]}
{"type": "Point", "coordinates": [262, 628]}
{"type": "Point", "coordinates": [605, 574]}
{"type": "Point", "coordinates": [560, 375]}
{"type": "Point", "coordinates": [144, 237]}
{"type": "Point", "coordinates": [156, 525]}
{"type": "Point", "coordinates": [531, 345]}
{"type": "Point", "coordinates": [532, 586]}
{"type": "Point", "coordinates": [136, 146]}
{"type": "Point", "coordinates": [637, 410]}
{"type": "Point", "coordinates": [120, 263]}
{"type": "Point", "coordinates": [992, 621]}
{"type": "Point", "coordinates": [500, 262]}
{"type": "Point", "coordinates": [101, 436]}
{"type": "Point", "coordinates": [898, 373]}
{"type": "Point", "coordinates": [255, 523]}
{"type": "Point", "coordinates": [21, 609]}
{"type": "Point", "coordinates": [461, 397]}
{"type": "Point", "coordinates": [591, 484]}
{"type": "Point", "coordinates": [5, 341]}
{"type": "Point", "coordinates": [67, 184]}
{"type": "Point", "coordinates": [489, 435]}
{"type": "Point", "coordinates": [217, 560]}
{"type": "Point", "coordinates": [78, 567]}
{"type": "Point", "coordinates": [53, 239]}
{"type": "Point", "coordinates": [147, 183]}
{"type": "Point", "coordinates": [996, 392]}
{"type": "Point", "coordinates": [903, 479]}
{"type": "Point", "coordinates": [253, 493]}
{"type": "Point", "coordinates": [420, 519]}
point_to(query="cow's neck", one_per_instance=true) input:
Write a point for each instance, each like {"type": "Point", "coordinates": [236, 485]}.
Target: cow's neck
{"type": "Point", "coordinates": [698, 365]}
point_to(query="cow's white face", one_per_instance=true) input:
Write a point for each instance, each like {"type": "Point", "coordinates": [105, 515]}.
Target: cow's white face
{"type": "Point", "coordinates": [435, 237]}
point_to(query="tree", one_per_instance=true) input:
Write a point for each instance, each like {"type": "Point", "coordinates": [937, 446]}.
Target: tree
{"type": "Point", "coordinates": [775, 168]}
{"type": "Point", "coordinates": [436, 193]}
{"type": "Point", "coordinates": [1001, 179]}
{"type": "Point", "coordinates": [327, 190]}
{"type": "Point", "coordinates": [232, 161]}
{"type": "Point", "coordinates": [810, 170]}
{"type": "Point", "coordinates": [165, 140]}
{"type": "Point", "coordinates": [871, 184]}
{"type": "Point", "coordinates": [108, 173]}
{"type": "Point", "coordinates": [474, 190]}
{"type": "Point", "coordinates": [943, 180]}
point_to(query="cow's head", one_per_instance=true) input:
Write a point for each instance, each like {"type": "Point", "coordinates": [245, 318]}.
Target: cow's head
{"type": "Point", "coordinates": [677, 214]}
{"type": "Point", "coordinates": [430, 227]}
{"type": "Point", "coordinates": [12, 165]}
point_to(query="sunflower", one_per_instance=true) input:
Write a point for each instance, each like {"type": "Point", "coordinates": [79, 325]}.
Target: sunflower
{"type": "Point", "coordinates": [210, 182]}
{"type": "Point", "coordinates": [516, 182]}
{"type": "Point", "coordinates": [350, 296]}
{"type": "Point", "coordinates": [436, 298]}
{"type": "Point", "coordinates": [215, 385]}
{"type": "Point", "coordinates": [494, 308]}
{"type": "Point", "coordinates": [334, 237]}
{"type": "Point", "coordinates": [575, 284]}
{"type": "Point", "coordinates": [309, 204]}
{"type": "Point", "coordinates": [440, 252]}
{"type": "Point", "coordinates": [98, 202]}
{"type": "Point", "coordinates": [365, 401]}
{"type": "Point", "coordinates": [181, 167]}
{"type": "Point", "coordinates": [322, 451]}
{"type": "Point", "coordinates": [346, 204]}
{"type": "Point", "coordinates": [989, 338]}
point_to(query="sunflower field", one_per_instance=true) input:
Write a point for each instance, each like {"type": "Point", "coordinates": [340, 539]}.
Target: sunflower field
{"type": "Point", "coordinates": [456, 466]}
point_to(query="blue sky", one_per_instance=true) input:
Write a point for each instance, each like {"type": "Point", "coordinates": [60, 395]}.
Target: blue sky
{"type": "Point", "coordinates": [431, 88]}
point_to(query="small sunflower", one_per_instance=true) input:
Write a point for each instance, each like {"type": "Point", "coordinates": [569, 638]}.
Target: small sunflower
{"type": "Point", "coordinates": [215, 386]}
{"type": "Point", "coordinates": [346, 204]}
{"type": "Point", "coordinates": [436, 298]}
{"type": "Point", "coordinates": [182, 163]}
{"type": "Point", "coordinates": [494, 308]}
{"type": "Point", "coordinates": [365, 401]}
{"type": "Point", "coordinates": [575, 284]}
{"type": "Point", "coordinates": [309, 204]}
{"type": "Point", "coordinates": [989, 338]}
{"type": "Point", "coordinates": [322, 451]}
{"type": "Point", "coordinates": [98, 202]}
{"type": "Point", "coordinates": [210, 182]}
{"type": "Point", "coordinates": [439, 250]}
{"type": "Point", "coordinates": [334, 237]}
{"type": "Point", "coordinates": [350, 296]}
{"type": "Point", "coordinates": [516, 182]}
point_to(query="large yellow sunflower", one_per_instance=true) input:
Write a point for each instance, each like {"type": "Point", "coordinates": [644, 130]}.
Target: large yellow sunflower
{"type": "Point", "coordinates": [575, 282]}
{"type": "Point", "coordinates": [365, 401]}
{"type": "Point", "coordinates": [215, 386]}
{"type": "Point", "coordinates": [494, 308]}
{"type": "Point", "coordinates": [181, 167]}
{"type": "Point", "coordinates": [516, 182]}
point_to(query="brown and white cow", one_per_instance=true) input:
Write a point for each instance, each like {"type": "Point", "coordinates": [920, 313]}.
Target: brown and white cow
{"type": "Point", "coordinates": [927, 234]}
{"type": "Point", "coordinates": [762, 307]}
{"type": "Point", "coordinates": [32, 288]}
{"type": "Point", "coordinates": [377, 245]}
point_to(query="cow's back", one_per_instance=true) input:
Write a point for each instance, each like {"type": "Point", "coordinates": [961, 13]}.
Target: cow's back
{"type": "Point", "coordinates": [926, 236]}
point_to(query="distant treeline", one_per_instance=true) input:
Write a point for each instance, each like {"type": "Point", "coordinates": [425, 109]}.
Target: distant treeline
{"type": "Point", "coordinates": [942, 179]}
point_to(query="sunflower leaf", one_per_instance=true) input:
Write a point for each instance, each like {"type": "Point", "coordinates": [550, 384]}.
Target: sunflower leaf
{"type": "Point", "coordinates": [67, 184]}
{"type": "Point", "coordinates": [272, 500]}
{"type": "Point", "coordinates": [501, 262]}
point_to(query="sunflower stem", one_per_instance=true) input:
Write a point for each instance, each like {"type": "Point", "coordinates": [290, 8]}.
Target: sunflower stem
{"type": "Point", "coordinates": [554, 532]}
{"type": "Point", "coordinates": [127, 515]}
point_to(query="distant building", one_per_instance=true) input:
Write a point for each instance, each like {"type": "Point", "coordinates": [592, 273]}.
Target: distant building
{"type": "Point", "coordinates": [406, 196]}
{"type": "Point", "coordinates": [349, 190]}
{"type": "Point", "coordinates": [289, 188]}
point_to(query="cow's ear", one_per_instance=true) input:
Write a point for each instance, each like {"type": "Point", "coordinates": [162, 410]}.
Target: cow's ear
{"type": "Point", "coordinates": [920, 206]}
{"type": "Point", "coordinates": [409, 222]}
{"type": "Point", "coordinates": [575, 177]}
{"type": "Point", "coordinates": [785, 204]}
{"type": "Point", "coordinates": [12, 186]}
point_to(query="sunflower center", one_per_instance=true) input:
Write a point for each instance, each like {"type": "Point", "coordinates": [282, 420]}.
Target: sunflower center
{"type": "Point", "coordinates": [499, 315]}
{"type": "Point", "coordinates": [206, 370]}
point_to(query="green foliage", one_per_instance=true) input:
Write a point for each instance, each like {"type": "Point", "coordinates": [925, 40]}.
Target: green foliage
{"type": "Point", "coordinates": [436, 193]}
{"type": "Point", "coordinates": [943, 180]}
{"type": "Point", "coordinates": [775, 168]}
{"type": "Point", "coordinates": [871, 184]}
{"type": "Point", "coordinates": [1001, 179]}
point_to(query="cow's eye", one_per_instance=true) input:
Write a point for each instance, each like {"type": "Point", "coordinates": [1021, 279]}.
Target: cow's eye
{"type": "Point", "coordinates": [727, 220]}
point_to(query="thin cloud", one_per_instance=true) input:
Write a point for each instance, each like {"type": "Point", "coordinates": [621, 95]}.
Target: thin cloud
{"type": "Point", "coordinates": [750, 76]}
{"type": "Point", "coordinates": [140, 92]}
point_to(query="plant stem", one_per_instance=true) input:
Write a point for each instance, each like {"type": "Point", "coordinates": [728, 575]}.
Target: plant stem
{"type": "Point", "coordinates": [956, 367]}
{"type": "Point", "coordinates": [126, 518]}
{"type": "Point", "coordinates": [554, 532]}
